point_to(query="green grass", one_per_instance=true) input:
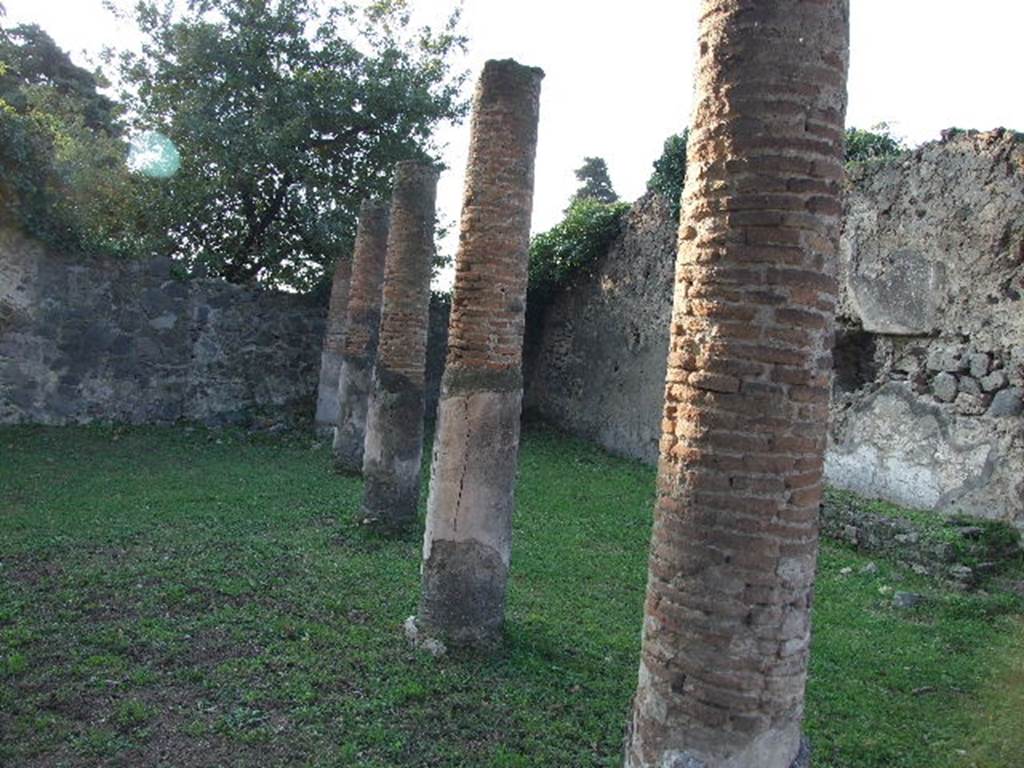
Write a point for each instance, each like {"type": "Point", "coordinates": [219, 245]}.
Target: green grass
{"type": "Point", "coordinates": [183, 597]}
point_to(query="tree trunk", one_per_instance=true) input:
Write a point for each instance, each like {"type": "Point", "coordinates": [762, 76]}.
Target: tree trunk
{"type": "Point", "coordinates": [727, 625]}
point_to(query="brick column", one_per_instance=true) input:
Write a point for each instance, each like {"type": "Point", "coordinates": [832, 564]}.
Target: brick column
{"type": "Point", "coordinates": [467, 544]}
{"type": "Point", "coordinates": [359, 349]}
{"type": "Point", "coordinates": [394, 425]}
{"type": "Point", "coordinates": [330, 358]}
{"type": "Point", "coordinates": [727, 617]}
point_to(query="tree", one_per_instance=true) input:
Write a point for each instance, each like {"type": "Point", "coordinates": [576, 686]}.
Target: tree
{"type": "Point", "coordinates": [62, 156]}
{"type": "Point", "coordinates": [595, 183]}
{"type": "Point", "coordinates": [568, 249]}
{"type": "Point", "coordinates": [726, 625]}
{"type": "Point", "coordinates": [285, 119]}
{"type": "Point", "coordinates": [39, 74]}
{"type": "Point", "coordinates": [670, 170]}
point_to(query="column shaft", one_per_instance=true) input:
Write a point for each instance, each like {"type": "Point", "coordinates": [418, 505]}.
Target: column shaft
{"type": "Point", "coordinates": [359, 349]}
{"type": "Point", "coordinates": [467, 545]}
{"type": "Point", "coordinates": [330, 357]}
{"type": "Point", "coordinates": [731, 572]}
{"type": "Point", "coordinates": [393, 448]}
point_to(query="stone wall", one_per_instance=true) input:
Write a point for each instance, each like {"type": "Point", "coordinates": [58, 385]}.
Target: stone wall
{"type": "Point", "coordinates": [84, 340]}
{"type": "Point", "coordinates": [96, 340]}
{"type": "Point", "coordinates": [597, 369]}
{"type": "Point", "coordinates": [927, 403]}
{"type": "Point", "coordinates": [929, 351]}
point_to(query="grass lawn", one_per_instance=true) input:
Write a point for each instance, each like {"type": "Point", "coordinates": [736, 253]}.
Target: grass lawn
{"type": "Point", "coordinates": [191, 598]}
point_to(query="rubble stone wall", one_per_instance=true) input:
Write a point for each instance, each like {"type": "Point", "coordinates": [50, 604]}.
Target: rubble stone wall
{"type": "Point", "coordinates": [929, 355]}
{"type": "Point", "coordinates": [125, 341]}
{"type": "Point", "coordinates": [933, 309]}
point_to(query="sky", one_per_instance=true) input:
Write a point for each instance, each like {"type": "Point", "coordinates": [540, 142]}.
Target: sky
{"type": "Point", "coordinates": [619, 75]}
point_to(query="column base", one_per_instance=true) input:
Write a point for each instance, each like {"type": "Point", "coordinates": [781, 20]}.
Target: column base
{"type": "Point", "coordinates": [803, 757]}
{"type": "Point", "coordinates": [686, 759]}
{"type": "Point", "coordinates": [422, 641]}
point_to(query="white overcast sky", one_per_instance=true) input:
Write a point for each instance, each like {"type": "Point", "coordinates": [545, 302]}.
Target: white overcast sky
{"type": "Point", "coordinates": [619, 75]}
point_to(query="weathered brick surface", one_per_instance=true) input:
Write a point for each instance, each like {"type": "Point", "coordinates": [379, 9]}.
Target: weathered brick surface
{"type": "Point", "coordinates": [338, 306]}
{"type": "Point", "coordinates": [726, 627]}
{"type": "Point", "coordinates": [467, 543]}
{"type": "Point", "coordinates": [359, 347]}
{"type": "Point", "coordinates": [488, 299]}
{"type": "Point", "coordinates": [394, 427]}
{"type": "Point", "coordinates": [330, 358]}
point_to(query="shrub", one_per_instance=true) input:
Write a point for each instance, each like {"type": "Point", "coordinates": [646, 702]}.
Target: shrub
{"type": "Point", "coordinates": [573, 245]}
{"type": "Point", "coordinates": [875, 144]}
{"type": "Point", "coordinates": [670, 170]}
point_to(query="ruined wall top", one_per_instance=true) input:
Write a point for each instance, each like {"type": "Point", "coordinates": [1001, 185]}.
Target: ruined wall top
{"type": "Point", "coordinates": [933, 241]}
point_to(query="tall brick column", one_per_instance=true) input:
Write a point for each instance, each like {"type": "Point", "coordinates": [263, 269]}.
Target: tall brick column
{"type": "Point", "coordinates": [727, 617]}
{"type": "Point", "coordinates": [394, 426]}
{"type": "Point", "coordinates": [467, 544]}
{"type": "Point", "coordinates": [330, 357]}
{"type": "Point", "coordinates": [359, 349]}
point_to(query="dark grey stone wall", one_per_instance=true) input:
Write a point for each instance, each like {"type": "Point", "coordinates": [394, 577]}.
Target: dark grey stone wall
{"type": "Point", "coordinates": [929, 356]}
{"type": "Point", "coordinates": [84, 340]}
{"type": "Point", "coordinates": [96, 340]}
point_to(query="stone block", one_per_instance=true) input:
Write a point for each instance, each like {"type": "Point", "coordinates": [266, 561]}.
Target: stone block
{"type": "Point", "coordinates": [949, 359]}
{"type": "Point", "coordinates": [968, 385]}
{"type": "Point", "coordinates": [897, 293]}
{"type": "Point", "coordinates": [970, 405]}
{"type": "Point", "coordinates": [978, 364]}
{"type": "Point", "coordinates": [906, 600]}
{"type": "Point", "coordinates": [994, 381]}
{"type": "Point", "coordinates": [164, 322]}
{"type": "Point", "coordinates": [1006, 403]}
{"type": "Point", "coordinates": [944, 387]}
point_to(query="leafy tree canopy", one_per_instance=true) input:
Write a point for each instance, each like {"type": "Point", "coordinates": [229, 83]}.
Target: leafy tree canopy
{"type": "Point", "coordinates": [670, 170]}
{"type": "Point", "coordinates": [595, 183]}
{"type": "Point", "coordinates": [285, 117]}
{"type": "Point", "coordinates": [38, 74]}
{"type": "Point", "coordinates": [62, 174]}
{"type": "Point", "coordinates": [875, 144]}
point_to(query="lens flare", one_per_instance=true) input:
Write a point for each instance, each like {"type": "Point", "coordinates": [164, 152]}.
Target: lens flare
{"type": "Point", "coordinates": [153, 154]}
